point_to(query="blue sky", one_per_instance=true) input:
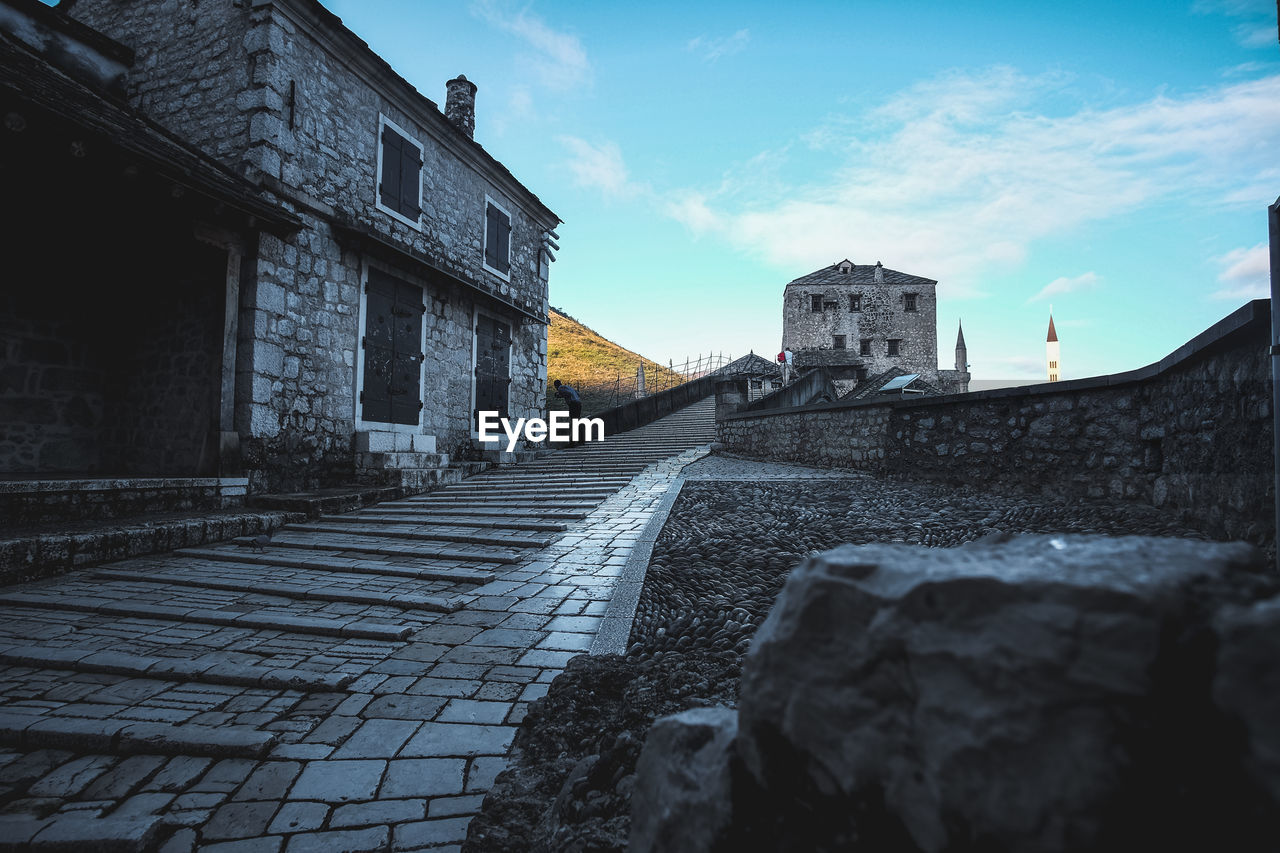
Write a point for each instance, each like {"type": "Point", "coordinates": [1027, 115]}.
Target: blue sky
{"type": "Point", "coordinates": [1113, 159]}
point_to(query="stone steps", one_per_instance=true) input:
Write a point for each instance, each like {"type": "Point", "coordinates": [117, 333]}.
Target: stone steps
{"type": "Point", "coordinates": [449, 511]}
{"type": "Point", "coordinates": [437, 603]}
{"type": "Point", "coordinates": [322, 561]}
{"type": "Point", "coordinates": [487, 500]}
{"type": "Point", "coordinates": [209, 669]}
{"type": "Point", "coordinates": [130, 737]}
{"type": "Point", "coordinates": [357, 628]}
{"type": "Point", "coordinates": [531, 491]}
{"type": "Point", "coordinates": [422, 532]}
{"type": "Point", "coordinates": [348, 542]}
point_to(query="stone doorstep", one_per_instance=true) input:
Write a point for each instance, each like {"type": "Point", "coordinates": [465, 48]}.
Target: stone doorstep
{"type": "Point", "coordinates": [210, 670]}
{"type": "Point", "coordinates": [350, 526]}
{"type": "Point", "coordinates": [321, 563]}
{"type": "Point", "coordinates": [388, 441]}
{"type": "Point", "coordinates": [411, 551]}
{"type": "Point", "coordinates": [439, 604]}
{"type": "Point", "coordinates": [30, 732]}
{"type": "Point", "coordinates": [357, 629]}
{"type": "Point", "coordinates": [409, 517]}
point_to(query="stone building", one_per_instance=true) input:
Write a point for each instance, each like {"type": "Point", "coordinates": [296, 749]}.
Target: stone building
{"type": "Point", "coordinates": [862, 321]}
{"type": "Point", "coordinates": [393, 282]}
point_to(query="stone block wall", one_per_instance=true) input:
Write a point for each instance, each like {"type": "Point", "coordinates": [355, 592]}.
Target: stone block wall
{"type": "Point", "coordinates": [51, 398]}
{"type": "Point", "coordinates": [189, 65]}
{"type": "Point", "coordinates": [1191, 433]}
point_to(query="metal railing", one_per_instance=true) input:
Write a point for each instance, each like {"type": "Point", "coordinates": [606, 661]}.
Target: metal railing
{"type": "Point", "coordinates": [598, 395]}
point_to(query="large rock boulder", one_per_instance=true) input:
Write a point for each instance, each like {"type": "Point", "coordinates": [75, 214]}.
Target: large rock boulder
{"type": "Point", "coordinates": [1047, 693]}
{"type": "Point", "coordinates": [1247, 684]}
{"type": "Point", "coordinates": [682, 801]}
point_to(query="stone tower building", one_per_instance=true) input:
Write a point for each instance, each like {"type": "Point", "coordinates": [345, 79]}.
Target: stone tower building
{"type": "Point", "coordinates": [364, 278]}
{"type": "Point", "coordinates": [863, 321]}
{"type": "Point", "coordinates": [1051, 351]}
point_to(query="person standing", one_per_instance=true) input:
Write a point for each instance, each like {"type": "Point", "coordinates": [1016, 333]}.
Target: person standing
{"type": "Point", "coordinates": [787, 356]}
{"type": "Point", "coordinates": [574, 403]}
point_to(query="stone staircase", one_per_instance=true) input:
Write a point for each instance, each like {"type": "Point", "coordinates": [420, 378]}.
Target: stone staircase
{"type": "Point", "coordinates": [406, 635]}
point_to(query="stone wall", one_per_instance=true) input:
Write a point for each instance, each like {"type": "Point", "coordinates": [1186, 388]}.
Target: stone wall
{"type": "Point", "coordinates": [110, 357]}
{"type": "Point", "coordinates": [189, 69]}
{"type": "Point", "coordinates": [1191, 433]}
{"type": "Point", "coordinates": [162, 387]}
{"type": "Point", "coordinates": [50, 389]}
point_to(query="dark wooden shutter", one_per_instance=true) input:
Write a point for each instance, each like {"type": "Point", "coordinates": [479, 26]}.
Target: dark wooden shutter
{"type": "Point", "coordinates": [504, 242]}
{"type": "Point", "coordinates": [410, 179]}
{"type": "Point", "coordinates": [392, 166]}
{"type": "Point", "coordinates": [491, 215]}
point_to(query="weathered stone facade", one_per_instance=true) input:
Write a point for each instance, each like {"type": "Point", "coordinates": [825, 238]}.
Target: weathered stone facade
{"type": "Point", "coordinates": [860, 321]}
{"type": "Point", "coordinates": [1191, 433]}
{"type": "Point", "coordinates": [282, 91]}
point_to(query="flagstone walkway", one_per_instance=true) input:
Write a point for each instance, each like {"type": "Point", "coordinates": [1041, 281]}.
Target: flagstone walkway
{"type": "Point", "coordinates": [352, 685]}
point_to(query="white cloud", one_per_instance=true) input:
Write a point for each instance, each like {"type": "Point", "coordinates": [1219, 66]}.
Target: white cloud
{"type": "Point", "coordinates": [958, 176]}
{"type": "Point", "coordinates": [598, 167]}
{"type": "Point", "coordinates": [1062, 284]}
{"type": "Point", "coordinates": [1259, 27]}
{"type": "Point", "coordinates": [1246, 273]}
{"type": "Point", "coordinates": [713, 48]}
{"type": "Point", "coordinates": [1257, 35]}
{"type": "Point", "coordinates": [558, 60]}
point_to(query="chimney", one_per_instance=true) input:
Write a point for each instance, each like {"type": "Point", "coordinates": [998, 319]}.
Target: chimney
{"type": "Point", "coordinates": [460, 104]}
{"type": "Point", "coordinates": [879, 273]}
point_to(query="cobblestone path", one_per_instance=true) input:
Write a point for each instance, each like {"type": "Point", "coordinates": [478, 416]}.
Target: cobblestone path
{"type": "Point", "coordinates": [354, 684]}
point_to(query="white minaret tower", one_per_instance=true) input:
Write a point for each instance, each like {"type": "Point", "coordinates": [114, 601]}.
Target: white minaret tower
{"type": "Point", "coordinates": [1051, 354]}
{"type": "Point", "coordinates": [962, 352]}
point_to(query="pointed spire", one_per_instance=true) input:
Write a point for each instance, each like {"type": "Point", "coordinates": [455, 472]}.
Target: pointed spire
{"type": "Point", "coordinates": [1053, 333]}
{"type": "Point", "coordinates": [960, 337]}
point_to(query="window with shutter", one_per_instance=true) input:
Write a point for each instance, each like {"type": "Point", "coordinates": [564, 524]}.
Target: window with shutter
{"type": "Point", "coordinates": [497, 239]}
{"type": "Point", "coordinates": [400, 178]}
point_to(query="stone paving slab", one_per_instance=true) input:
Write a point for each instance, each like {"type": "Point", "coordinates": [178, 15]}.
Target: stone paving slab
{"type": "Point", "coordinates": [425, 532]}
{"type": "Point", "coordinates": [372, 545]}
{"type": "Point", "coordinates": [324, 593]}
{"type": "Point", "coordinates": [465, 522]}
{"type": "Point", "coordinates": [295, 624]}
{"type": "Point", "coordinates": [321, 561]}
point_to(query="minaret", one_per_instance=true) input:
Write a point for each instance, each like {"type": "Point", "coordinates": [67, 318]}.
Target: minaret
{"type": "Point", "coordinates": [1051, 354]}
{"type": "Point", "coordinates": [962, 353]}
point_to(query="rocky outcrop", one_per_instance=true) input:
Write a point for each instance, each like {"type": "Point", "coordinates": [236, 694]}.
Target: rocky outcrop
{"type": "Point", "coordinates": [1045, 693]}
{"type": "Point", "coordinates": [682, 797]}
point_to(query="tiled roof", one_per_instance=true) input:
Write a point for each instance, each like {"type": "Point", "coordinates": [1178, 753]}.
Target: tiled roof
{"type": "Point", "coordinates": [1053, 333]}
{"type": "Point", "coordinates": [750, 365]}
{"type": "Point", "coordinates": [858, 274]}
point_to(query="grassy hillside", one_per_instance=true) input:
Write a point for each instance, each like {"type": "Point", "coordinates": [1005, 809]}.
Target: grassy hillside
{"type": "Point", "coordinates": [603, 372]}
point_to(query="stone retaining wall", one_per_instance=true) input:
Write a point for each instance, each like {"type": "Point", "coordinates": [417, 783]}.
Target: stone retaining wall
{"type": "Point", "coordinates": [1192, 433]}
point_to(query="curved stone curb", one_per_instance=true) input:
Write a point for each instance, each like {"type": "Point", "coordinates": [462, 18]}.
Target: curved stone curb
{"type": "Point", "coordinates": [615, 628]}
